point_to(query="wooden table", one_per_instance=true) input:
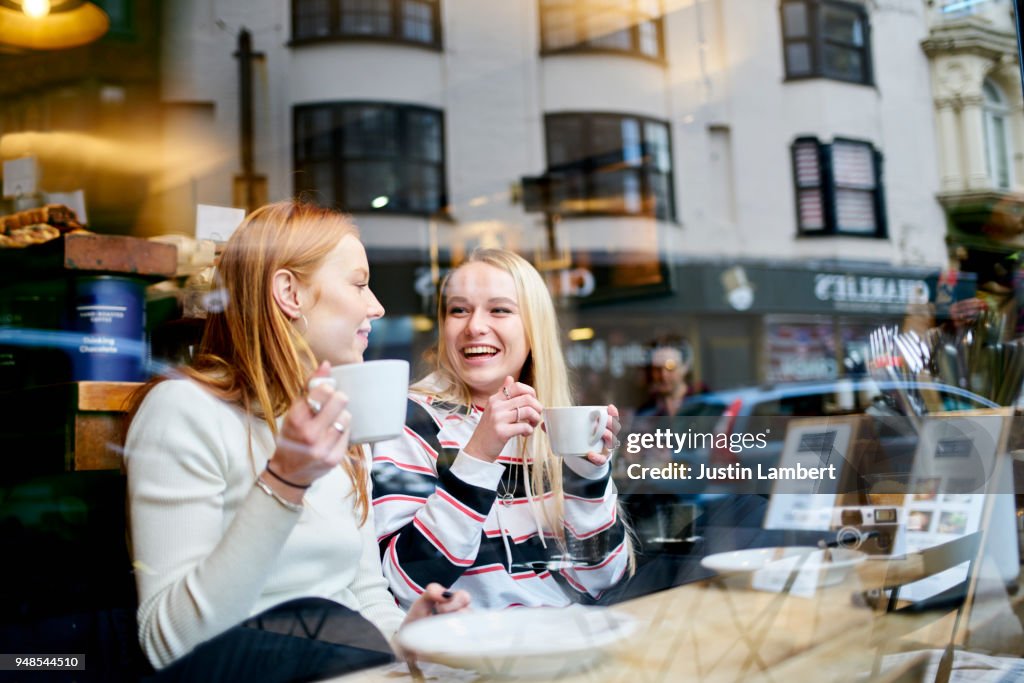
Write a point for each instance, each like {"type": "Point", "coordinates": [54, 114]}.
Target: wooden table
{"type": "Point", "coordinates": [720, 630]}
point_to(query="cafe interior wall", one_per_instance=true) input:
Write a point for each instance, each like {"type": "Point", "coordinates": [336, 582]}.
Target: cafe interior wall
{"type": "Point", "coordinates": [88, 113]}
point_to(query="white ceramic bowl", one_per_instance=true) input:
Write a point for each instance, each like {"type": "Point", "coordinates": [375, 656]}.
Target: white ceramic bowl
{"type": "Point", "coordinates": [775, 565]}
{"type": "Point", "coordinates": [518, 642]}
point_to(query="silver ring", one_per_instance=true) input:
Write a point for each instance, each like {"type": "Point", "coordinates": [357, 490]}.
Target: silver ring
{"type": "Point", "coordinates": [504, 390]}
{"type": "Point", "coordinates": [517, 413]}
{"type": "Point", "coordinates": [314, 404]}
{"type": "Point", "coordinates": [340, 427]}
{"type": "Point", "coordinates": [616, 444]}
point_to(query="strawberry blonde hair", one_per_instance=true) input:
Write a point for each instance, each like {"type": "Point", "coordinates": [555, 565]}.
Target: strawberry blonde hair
{"type": "Point", "coordinates": [251, 353]}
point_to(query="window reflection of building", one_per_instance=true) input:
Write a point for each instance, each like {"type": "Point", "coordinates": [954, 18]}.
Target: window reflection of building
{"type": "Point", "coordinates": [997, 141]}
{"type": "Point", "coordinates": [368, 156]}
{"type": "Point", "coordinates": [610, 164]}
{"type": "Point", "coordinates": [972, 49]}
{"type": "Point", "coordinates": [413, 21]}
{"type": "Point", "coordinates": [796, 350]}
{"type": "Point", "coordinates": [838, 188]}
{"type": "Point", "coordinates": [628, 26]}
{"type": "Point", "coordinates": [826, 39]}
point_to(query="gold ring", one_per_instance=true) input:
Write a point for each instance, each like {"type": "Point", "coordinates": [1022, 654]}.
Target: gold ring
{"type": "Point", "coordinates": [517, 413]}
{"type": "Point", "coordinates": [504, 390]}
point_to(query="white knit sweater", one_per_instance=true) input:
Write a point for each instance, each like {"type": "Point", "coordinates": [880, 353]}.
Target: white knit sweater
{"type": "Point", "coordinates": [211, 549]}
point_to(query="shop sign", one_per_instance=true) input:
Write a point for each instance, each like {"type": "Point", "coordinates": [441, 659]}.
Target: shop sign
{"type": "Point", "coordinates": [602, 357]}
{"type": "Point", "coordinates": [858, 290]}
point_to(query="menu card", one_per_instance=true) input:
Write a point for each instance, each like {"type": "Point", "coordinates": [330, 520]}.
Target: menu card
{"type": "Point", "coordinates": [958, 468]}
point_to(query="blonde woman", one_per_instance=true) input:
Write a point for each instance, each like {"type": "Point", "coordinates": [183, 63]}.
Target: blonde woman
{"type": "Point", "coordinates": [471, 495]}
{"type": "Point", "coordinates": [252, 533]}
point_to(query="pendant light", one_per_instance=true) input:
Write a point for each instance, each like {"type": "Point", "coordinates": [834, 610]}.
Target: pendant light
{"type": "Point", "coordinates": [50, 24]}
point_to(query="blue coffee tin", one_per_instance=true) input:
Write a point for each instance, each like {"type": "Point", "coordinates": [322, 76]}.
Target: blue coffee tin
{"type": "Point", "coordinates": [108, 317]}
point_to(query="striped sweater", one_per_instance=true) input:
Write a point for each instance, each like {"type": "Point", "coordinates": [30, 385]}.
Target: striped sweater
{"type": "Point", "coordinates": [440, 517]}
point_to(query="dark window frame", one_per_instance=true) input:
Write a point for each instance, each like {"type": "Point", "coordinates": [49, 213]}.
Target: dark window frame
{"type": "Point", "coordinates": [587, 169]}
{"type": "Point", "coordinates": [817, 41]}
{"type": "Point", "coordinates": [584, 43]}
{"type": "Point", "coordinates": [336, 34]}
{"type": "Point", "coordinates": [828, 187]}
{"type": "Point", "coordinates": [403, 157]}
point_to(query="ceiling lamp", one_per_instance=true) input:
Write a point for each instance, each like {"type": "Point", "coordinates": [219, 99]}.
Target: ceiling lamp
{"type": "Point", "coordinates": [50, 24]}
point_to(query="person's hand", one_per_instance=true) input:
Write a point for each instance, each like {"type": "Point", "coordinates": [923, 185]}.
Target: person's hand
{"type": "Point", "coordinates": [436, 599]}
{"type": "Point", "coordinates": [513, 411]}
{"type": "Point", "coordinates": [610, 438]}
{"type": "Point", "coordinates": [313, 438]}
{"type": "Point", "coordinates": [966, 311]}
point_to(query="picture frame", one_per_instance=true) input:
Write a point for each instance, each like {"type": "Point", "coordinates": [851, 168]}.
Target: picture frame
{"type": "Point", "coordinates": [821, 442]}
{"type": "Point", "coordinates": [961, 482]}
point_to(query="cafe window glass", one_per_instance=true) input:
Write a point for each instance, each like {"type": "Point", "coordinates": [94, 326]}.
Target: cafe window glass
{"type": "Point", "coordinates": [826, 39]}
{"type": "Point", "coordinates": [627, 26]}
{"type": "Point", "coordinates": [371, 157]}
{"type": "Point", "coordinates": [997, 143]}
{"type": "Point", "coordinates": [407, 21]}
{"type": "Point", "coordinates": [609, 164]}
{"type": "Point", "coordinates": [838, 188]}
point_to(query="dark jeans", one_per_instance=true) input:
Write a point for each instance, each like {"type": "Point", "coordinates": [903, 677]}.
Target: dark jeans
{"type": "Point", "coordinates": [301, 640]}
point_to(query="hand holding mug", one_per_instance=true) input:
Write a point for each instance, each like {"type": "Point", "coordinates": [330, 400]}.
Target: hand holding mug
{"type": "Point", "coordinates": [579, 431]}
{"type": "Point", "coordinates": [610, 437]}
{"type": "Point", "coordinates": [314, 434]}
{"type": "Point", "coordinates": [512, 411]}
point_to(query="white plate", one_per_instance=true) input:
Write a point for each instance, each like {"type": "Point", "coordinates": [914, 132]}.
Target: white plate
{"type": "Point", "coordinates": [775, 565]}
{"type": "Point", "coordinates": [523, 641]}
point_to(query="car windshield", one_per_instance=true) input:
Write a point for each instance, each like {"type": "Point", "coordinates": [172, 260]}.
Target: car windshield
{"type": "Point", "coordinates": [702, 408]}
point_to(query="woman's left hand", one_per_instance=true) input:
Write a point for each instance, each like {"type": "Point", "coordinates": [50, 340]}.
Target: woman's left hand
{"type": "Point", "coordinates": [610, 438]}
{"type": "Point", "coordinates": [436, 599]}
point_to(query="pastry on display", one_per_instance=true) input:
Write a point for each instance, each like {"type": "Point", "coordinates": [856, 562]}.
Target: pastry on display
{"type": "Point", "coordinates": [35, 226]}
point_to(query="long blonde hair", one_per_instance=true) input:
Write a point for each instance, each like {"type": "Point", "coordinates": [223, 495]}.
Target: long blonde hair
{"type": "Point", "coordinates": [251, 353]}
{"type": "Point", "coordinates": [544, 370]}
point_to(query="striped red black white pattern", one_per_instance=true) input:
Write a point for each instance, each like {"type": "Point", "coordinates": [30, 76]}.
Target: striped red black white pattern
{"type": "Point", "coordinates": [433, 525]}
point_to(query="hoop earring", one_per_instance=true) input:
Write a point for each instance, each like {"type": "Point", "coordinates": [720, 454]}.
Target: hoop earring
{"type": "Point", "coordinates": [305, 323]}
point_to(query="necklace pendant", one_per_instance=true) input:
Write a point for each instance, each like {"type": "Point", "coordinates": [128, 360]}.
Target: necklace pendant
{"type": "Point", "coordinates": [506, 499]}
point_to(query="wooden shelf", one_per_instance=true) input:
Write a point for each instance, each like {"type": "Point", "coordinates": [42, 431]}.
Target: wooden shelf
{"type": "Point", "coordinates": [89, 253]}
{"type": "Point", "coordinates": [71, 426]}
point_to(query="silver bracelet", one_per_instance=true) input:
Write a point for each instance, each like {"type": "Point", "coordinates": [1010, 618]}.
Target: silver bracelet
{"type": "Point", "coordinates": [288, 505]}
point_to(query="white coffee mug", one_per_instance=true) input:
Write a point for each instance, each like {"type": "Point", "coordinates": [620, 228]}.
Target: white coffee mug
{"type": "Point", "coordinates": [377, 391]}
{"type": "Point", "coordinates": [576, 430]}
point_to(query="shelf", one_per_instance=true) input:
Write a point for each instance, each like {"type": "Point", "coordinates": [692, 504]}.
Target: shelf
{"type": "Point", "coordinates": [93, 254]}
{"type": "Point", "coordinates": [71, 426]}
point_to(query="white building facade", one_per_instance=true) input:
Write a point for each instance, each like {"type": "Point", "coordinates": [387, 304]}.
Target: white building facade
{"type": "Point", "coordinates": [792, 135]}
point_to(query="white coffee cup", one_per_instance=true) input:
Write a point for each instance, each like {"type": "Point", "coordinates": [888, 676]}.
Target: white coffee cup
{"type": "Point", "coordinates": [576, 430]}
{"type": "Point", "coordinates": [377, 391]}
